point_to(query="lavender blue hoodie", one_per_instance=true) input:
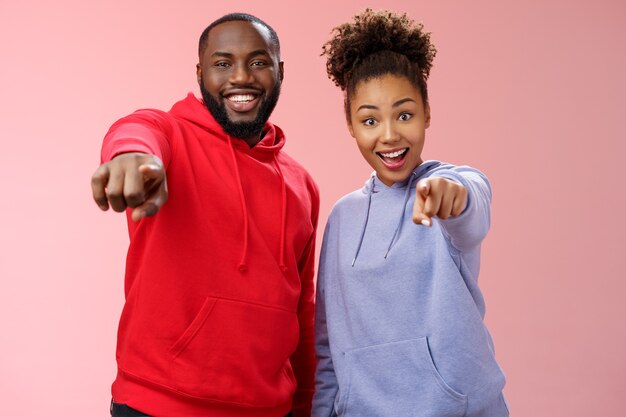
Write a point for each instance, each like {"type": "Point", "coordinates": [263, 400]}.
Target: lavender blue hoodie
{"type": "Point", "coordinates": [399, 322]}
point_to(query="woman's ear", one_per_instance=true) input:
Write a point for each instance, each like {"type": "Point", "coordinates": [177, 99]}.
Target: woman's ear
{"type": "Point", "coordinates": [346, 108]}
{"type": "Point", "coordinates": [427, 115]}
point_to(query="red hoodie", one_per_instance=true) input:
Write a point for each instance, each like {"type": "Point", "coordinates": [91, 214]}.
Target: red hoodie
{"type": "Point", "coordinates": [218, 319]}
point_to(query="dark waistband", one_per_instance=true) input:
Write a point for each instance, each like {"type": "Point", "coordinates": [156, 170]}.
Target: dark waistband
{"type": "Point", "coordinates": [122, 410]}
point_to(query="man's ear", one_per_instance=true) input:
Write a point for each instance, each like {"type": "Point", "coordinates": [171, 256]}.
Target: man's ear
{"type": "Point", "coordinates": [199, 73]}
{"type": "Point", "coordinates": [281, 70]}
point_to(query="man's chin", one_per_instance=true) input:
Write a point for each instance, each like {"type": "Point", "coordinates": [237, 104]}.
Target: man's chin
{"type": "Point", "coordinates": [243, 125]}
{"type": "Point", "coordinates": [243, 129]}
{"type": "Point", "coordinates": [239, 117]}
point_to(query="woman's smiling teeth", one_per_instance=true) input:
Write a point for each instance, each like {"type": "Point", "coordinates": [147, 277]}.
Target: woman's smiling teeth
{"type": "Point", "coordinates": [393, 154]}
{"type": "Point", "coordinates": [395, 159]}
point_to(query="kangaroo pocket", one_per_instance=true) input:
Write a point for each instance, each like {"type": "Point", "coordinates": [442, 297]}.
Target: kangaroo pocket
{"type": "Point", "coordinates": [237, 352]}
{"type": "Point", "coordinates": [398, 379]}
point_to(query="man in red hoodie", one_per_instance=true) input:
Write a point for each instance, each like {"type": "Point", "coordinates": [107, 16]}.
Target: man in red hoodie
{"type": "Point", "coordinates": [218, 319]}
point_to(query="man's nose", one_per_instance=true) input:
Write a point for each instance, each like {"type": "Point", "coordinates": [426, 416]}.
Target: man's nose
{"type": "Point", "coordinates": [240, 74]}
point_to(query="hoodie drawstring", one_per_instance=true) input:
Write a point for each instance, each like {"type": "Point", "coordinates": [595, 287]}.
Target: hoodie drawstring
{"type": "Point", "coordinates": [244, 209]}
{"type": "Point", "coordinates": [283, 215]}
{"type": "Point", "coordinates": [367, 216]}
{"type": "Point", "coordinates": [407, 194]}
{"type": "Point", "coordinates": [399, 226]}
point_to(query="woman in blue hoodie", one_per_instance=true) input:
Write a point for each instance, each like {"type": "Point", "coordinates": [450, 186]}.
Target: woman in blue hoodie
{"type": "Point", "coordinates": [399, 322]}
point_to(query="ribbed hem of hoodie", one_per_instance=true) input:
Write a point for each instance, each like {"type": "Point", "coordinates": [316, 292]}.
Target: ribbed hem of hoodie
{"type": "Point", "coordinates": [161, 402]}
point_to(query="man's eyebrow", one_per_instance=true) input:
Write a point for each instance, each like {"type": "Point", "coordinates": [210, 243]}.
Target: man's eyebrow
{"type": "Point", "coordinates": [222, 54]}
{"type": "Point", "coordinates": [259, 52]}
{"type": "Point", "coordinates": [256, 52]}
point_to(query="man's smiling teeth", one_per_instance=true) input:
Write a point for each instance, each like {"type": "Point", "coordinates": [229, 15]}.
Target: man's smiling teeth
{"type": "Point", "coordinates": [393, 154]}
{"type": "Point", "coordinates": [241, 98]}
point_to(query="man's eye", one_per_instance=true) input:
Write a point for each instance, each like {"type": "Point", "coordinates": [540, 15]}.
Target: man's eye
{"type": "Point", "coordinates": [258, 64]}
{"type": "Point", "coordinates": [222, 64]}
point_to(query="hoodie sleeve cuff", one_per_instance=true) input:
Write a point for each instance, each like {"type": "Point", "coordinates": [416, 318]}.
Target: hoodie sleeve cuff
{"type": "Point", "coordinates": [469, 228]}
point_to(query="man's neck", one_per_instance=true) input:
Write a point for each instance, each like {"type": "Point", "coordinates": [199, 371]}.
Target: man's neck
{"type": "Point", "coordinates": [252, 141]}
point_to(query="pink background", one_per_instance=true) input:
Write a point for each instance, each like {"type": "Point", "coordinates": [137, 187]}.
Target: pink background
{"type": "Point", "coordinates": [531, 92]}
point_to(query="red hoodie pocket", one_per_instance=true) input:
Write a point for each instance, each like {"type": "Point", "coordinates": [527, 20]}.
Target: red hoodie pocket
{"type": "Point", "coordinates": [237, 352]}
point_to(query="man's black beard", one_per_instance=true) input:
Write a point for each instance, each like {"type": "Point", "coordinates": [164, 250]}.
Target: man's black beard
{"type": "Point", "coordinates": [241, 130]}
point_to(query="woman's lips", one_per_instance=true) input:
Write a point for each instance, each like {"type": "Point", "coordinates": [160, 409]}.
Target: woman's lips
{"type": "Point", "coordinates": [393, 159]}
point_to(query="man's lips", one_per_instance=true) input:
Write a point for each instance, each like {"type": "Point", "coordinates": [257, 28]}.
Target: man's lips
{"type": "Point", "coordinates": [242, 102]}
{"type": "Point", "coordinates": [393, 158]}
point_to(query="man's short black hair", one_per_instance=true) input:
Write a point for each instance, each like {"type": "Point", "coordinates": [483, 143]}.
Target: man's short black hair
{"type": "Point", "coordinates": [245, 17]}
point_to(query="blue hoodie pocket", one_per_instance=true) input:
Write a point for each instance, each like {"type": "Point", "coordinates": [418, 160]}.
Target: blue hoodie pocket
{"type": "Point", "coordinates": [398, 379]}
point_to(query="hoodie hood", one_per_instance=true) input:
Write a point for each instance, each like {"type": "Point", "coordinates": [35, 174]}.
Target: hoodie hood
{"type": "Point", "coordinates": [374, 185]}
{"type": "Point", "coordinates": [192, 109]}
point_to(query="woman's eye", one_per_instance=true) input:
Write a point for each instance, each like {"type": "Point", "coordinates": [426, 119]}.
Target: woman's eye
{"type": "Point", "coordinates": [369, 122]}
{"type": "Point", "coordinates": [405, 116]}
